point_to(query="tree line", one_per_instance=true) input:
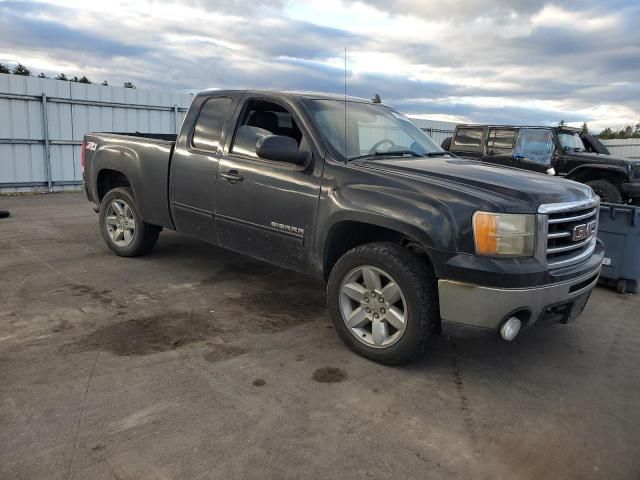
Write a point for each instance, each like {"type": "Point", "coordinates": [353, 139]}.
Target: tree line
{"type": "Point", "coordinates": [20, 69]}
{"type": "Point", "coordinates": [627, 131]}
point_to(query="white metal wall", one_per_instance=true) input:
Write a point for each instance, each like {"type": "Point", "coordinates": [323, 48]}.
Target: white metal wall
{"type": "Point", "coordinates": [437, 130]}
{"type": "Point", "coordinates": [72, 109]}
{"type": "Point", "coordinates": [627, 147]}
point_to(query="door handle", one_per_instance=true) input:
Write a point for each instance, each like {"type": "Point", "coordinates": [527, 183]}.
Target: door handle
{"type": "Point", "coordinates": [231, 176]}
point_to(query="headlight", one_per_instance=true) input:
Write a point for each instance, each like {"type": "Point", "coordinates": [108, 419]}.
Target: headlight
{"type": "Point", "coordinates": [498, 234]}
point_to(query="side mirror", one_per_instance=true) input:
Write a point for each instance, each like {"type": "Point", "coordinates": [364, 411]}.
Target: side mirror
{"type": "Point", "coordinates": [281, 149]}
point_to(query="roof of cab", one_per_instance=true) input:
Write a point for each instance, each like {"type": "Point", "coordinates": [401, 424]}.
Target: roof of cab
{"type": "Point", "coordinates": [546, 127]}
{"type": "Point", "coordinates": [299, 95]}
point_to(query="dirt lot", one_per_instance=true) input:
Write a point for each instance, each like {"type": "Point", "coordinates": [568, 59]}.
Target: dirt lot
{"type": "Point", "coordinates": [196, 363]}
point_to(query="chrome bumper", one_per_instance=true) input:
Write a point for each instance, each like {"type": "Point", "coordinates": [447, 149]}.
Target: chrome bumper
{"type": "Point", "coordinates": [485, 307]}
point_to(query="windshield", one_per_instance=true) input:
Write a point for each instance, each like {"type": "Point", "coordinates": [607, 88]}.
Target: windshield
{"type": "Point", "coordinates": [371, 130]}
{"type": "Point", "coordinates": [572, 141]}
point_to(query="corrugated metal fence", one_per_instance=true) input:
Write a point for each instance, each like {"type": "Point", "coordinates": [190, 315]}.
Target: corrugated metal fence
{"type": "Point", "coordinates": [42, 123]}
{"type": "Point", "coordinates": [437, 130]}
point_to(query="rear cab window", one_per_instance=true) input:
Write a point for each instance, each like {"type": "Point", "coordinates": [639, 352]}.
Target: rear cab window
{"type": "Point", "coordinates": [468, 139]}
{"type": "Point", "coordinates": [207, 133]}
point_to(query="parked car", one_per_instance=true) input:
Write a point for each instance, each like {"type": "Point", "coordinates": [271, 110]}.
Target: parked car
{"type": "Point", "coordinates": [554, 150]}
{"type": "Point", "coordinates": [406, 235]}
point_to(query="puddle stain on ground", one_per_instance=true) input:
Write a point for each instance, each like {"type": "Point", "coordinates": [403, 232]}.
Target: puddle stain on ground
{"type": "Point", "coordinates": [102, 296]}
{"type": "Point", "coordinates": [329, 375]}
{"type": "Point", "coordinates": [262, 305]}
{"type": "Point", "coordinates": [222, 352]}
{"type": "Point", "coordinates": [152, 334]}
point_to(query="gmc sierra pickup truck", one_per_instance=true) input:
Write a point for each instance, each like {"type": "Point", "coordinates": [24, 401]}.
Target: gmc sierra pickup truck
{"type": "Point", "coordinates": [406, 235]}
{"type": "Point", "coordinates": [558, 151]}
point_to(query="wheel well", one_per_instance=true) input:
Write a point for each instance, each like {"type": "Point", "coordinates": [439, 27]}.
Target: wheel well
{"type": "Point", "coordinates": [590, 174]}
{"type": "Point", "coordinates": [349, 234]}
{"type": "Point", "coordinates": [110, 179]}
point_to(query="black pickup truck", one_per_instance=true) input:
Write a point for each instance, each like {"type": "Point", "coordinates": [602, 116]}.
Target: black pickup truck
{"type": "Point", "coordinates": [406, 235]}
{"type": "Point", "coordinates": [554, 150]}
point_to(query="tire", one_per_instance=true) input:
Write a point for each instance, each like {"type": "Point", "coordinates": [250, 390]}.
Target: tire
{"type": "Point", "coordinates": [140, 239]}
{"type": "Point", "coordinates": [606, 190]}
{"type": "Point", "coordinates": [446, 144]}
{"type": "Point", "coordinates": [417, 301]}
{"type": "Point", "coordinates": [4, 214]}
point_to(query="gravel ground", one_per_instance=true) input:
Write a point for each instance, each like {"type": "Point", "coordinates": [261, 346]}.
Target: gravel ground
{"type": "Point", "coordinates": [196, 363]}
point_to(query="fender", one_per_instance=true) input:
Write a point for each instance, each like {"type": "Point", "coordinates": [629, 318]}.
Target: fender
{"type": "Point", "coordinates": [426, 220]}
{"type": "Point", "coordinates": [147, 174]}
{"type": "Point", "coordinates": [576, 172]}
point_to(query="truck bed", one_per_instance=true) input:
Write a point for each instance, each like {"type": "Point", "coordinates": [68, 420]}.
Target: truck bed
{"type": "Point", "coordinates": [143, 158]}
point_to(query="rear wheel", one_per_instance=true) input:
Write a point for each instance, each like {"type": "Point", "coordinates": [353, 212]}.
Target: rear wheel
{"type": "Point", "coordinates": [383, 302]}
{"type": "Point", "coordinates": [122, 227]}
{"type": "Point", "coordinates": [606, 190]}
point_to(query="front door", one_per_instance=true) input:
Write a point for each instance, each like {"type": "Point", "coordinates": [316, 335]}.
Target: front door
{"type": "Point", "coordinates": [500, 146]}
{"type": "Point", "coordinates": [534, 149]}
{"type": "Point", "coordinates": [264, 208]}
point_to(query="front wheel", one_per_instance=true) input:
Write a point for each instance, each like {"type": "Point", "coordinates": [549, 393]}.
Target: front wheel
{"type": "Point", "coordinates": [122, 227]}
{"type": "Point", "coordinates": [606, 190]}
{"type": "Point", "coordinates": [383, 302]}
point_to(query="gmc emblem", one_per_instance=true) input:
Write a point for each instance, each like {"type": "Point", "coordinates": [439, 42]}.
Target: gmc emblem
{"type": "Point", "coordinates": [583, 231]}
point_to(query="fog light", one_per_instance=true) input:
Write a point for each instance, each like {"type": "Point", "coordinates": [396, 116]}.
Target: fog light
{"type": "Point", "coordinates": [510, 329]}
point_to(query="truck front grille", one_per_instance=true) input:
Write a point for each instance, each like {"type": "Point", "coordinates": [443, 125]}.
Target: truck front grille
{"type": "Point", "coordinates": [570, 230]}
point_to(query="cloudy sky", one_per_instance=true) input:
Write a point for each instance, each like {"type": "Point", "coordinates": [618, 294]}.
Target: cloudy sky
{"type": "Point", "coordinates": [499, 61]}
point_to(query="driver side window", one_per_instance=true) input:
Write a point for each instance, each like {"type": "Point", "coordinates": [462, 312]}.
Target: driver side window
{"type": "Point", "coordinates": [263, 118]}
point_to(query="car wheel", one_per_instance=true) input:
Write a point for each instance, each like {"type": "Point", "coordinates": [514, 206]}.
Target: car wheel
{"type": "Point", "coordinates": [606, 190]}
{"type": "Point", "coordinates": [122, 227]}
{"type": "Point", "coordinates": [383, 302]}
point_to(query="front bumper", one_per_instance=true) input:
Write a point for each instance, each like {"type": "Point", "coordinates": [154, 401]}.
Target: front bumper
{"type": "Point", "coordinates": [466, 304]}
{"type": "Point", "coordinates": [631, 189]}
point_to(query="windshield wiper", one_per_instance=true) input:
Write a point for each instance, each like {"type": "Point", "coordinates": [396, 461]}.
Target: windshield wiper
{"type": "Point", "coordinates": [436, 154]}
{"type": "Point", "coordinates": [394, 153]}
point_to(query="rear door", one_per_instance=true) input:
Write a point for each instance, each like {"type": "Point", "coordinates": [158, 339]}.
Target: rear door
{"type": "Point", "coordinates": [500, 143]}
{"type": "Point", "coordinates": [468, 142]}
{"type": "Point", "coordinates": [194, 165]}
{"type": "Point", "coordinates": [264, 208]}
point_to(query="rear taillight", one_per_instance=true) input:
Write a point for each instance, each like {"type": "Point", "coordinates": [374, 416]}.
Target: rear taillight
{"type": "Point", "coordinates": [83, 159]}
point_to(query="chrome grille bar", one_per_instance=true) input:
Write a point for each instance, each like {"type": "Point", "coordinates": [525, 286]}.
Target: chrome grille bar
{"type": "Point", "coordinates": [560, 244]}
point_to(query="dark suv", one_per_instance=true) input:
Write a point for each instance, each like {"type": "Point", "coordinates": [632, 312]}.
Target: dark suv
{"type": "Point", "coordinates": [552, 150]}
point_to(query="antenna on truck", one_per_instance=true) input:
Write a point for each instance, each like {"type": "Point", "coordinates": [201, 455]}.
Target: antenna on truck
{"type": "Point", "coordinates": [345, 105]}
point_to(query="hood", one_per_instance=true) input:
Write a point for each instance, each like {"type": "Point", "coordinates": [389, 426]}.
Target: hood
{"type": "Point", "coordinates": [513, 189]}
{"type": "Point", "coordinates": [589, 157]}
